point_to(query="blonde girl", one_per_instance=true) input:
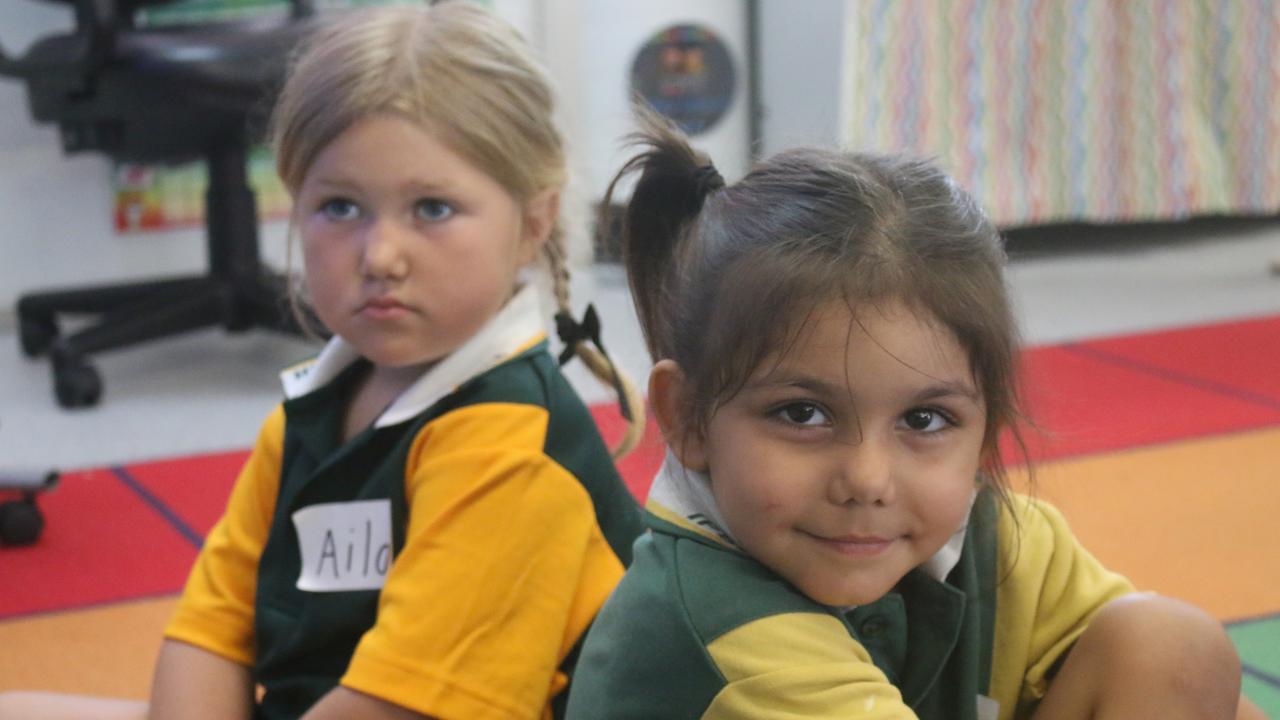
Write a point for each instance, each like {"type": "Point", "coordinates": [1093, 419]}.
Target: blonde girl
{"type": "Point", "coordinates": [430, 521]}
{"type": "Point", "coordinates": [832, 535]}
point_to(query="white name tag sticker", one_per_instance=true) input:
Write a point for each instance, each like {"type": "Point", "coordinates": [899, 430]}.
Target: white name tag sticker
{"type": "Point", "coordinates": [988, 709]}
{"type": "Point", "coordinates": [345, 546]}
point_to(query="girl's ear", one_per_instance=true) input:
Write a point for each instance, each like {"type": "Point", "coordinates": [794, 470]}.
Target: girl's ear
{"type": "Point", "coordinates": [540, 215]}
{"type": "Point", "coordinates": [667, 388]}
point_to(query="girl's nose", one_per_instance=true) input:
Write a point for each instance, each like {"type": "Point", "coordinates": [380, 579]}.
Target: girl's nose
{"type": "Point", "coordinates": [383, 256]}
{"type": "Point", "coordinates": [865, 474]}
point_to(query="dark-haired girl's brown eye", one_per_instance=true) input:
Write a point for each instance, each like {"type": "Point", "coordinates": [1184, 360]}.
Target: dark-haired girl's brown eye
{"type": "Point", "coordinates": [802, 413]}
{"type": "Point", "coordinates": [926, 420]}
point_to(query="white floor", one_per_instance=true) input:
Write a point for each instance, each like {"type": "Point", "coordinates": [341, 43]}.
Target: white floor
{"type": "Point", "coordinates": [209, 391]}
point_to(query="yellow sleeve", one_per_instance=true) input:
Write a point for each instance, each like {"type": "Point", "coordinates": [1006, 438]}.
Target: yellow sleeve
{"type": "Point", "coordinates": [800, 665]}
{"type": "Point", "coordinates": [503, 568]}
{"type": "Point", "coordinates": [1044, 600]}
{"type": "Point", "coordinates": [217, 606]}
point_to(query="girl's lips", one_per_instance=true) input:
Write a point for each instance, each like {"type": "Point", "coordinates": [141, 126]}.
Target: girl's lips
{"type": "Point", "coordinates": [383, 308]}
{"type": "Point", "coordinates": [856, 545]}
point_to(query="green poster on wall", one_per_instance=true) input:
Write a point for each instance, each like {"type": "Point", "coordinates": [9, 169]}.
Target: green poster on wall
{"type": "Point", "coordinates": [195, 11]}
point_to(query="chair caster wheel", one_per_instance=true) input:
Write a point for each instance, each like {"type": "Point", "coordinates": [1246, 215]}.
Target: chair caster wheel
{"type": "Point", "coordinates": [20, 522]}
{"type": "Point", "coordinates": [75, 382]}
{"type": "Point", "coordinates": [36, 334]}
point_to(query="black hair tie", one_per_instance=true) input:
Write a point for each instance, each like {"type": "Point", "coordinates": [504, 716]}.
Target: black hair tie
{"type": "Point", "coordinates": [707, 180]}
{"type": "Point", "coordinates": [572, 332]}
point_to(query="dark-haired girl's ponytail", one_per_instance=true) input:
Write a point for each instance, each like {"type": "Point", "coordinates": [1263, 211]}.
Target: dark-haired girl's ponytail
{"type": "Point", "coordinates": [673, 185]}
{"type": "Point", "coordinates": [707, 180]}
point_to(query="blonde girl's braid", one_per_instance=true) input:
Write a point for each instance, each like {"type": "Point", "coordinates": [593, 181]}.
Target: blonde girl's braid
{"type": "Point", "coordinates": [629, 398]}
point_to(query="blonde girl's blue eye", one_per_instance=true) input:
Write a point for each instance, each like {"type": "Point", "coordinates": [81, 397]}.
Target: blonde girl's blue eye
{"type": "Point", "coordinates": [432, 210]}
{"type": "Point", "coordinates": [926, 420]}
{"type": "Point", "coordinates": [802, 413]}
{"type": "Point", "coordinates": [339, 209]}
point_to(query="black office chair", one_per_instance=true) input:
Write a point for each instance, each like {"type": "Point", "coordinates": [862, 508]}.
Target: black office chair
{"type": "Point", "coordinates": [159, 95]}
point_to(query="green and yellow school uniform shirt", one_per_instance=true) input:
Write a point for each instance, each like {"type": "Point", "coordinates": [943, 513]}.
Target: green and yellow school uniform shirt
{"type": "Point", "coordinates": [698, 629]}
{"type": "Point", "coordinates": [448, 559]}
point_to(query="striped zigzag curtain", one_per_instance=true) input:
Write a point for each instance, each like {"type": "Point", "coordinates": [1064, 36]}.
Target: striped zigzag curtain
{"type": "Point", "coordinates": [1076, 110]}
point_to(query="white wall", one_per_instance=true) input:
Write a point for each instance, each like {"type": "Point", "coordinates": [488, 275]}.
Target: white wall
{"type": "Point", "coordinates": [800, 72]}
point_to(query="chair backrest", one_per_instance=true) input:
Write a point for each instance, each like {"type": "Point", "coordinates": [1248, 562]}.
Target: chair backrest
{"type": "Point", "coordinates": [155, 94]}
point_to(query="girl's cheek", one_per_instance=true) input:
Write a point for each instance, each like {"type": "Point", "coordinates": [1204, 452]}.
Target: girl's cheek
{"type": "Point", "coordinates": [767, 499]}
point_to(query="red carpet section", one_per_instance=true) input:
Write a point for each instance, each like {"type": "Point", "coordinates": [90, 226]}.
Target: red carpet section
{"type": "Point", "coordinates": [1135, 390]}
{"type": "Point", "coordinates": [129, 532]}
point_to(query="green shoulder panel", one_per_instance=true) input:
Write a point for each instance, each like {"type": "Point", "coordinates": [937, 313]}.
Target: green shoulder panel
{"type": "Point", "coordinates": [689, 591]}
{"type": "Point", "coordinates": [723, 589]}
{"type": "Point", "coordinates": [637, 670]}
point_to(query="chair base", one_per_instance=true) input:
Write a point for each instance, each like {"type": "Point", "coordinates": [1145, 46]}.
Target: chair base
{"type": "Point", "coordinates": [131, 313]}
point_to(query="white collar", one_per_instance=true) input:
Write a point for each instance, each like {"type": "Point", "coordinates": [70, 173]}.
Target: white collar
{"type": "Point", "coordinates": [513, 329]}
{"type": "Point", "coordinates": [683, 497]}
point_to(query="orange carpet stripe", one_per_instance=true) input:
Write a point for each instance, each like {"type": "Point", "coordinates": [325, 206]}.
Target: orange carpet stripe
{"type": "Point", "coordinates": [107, 650]}
{"type": "Point", "coordinates": [1194, 520]}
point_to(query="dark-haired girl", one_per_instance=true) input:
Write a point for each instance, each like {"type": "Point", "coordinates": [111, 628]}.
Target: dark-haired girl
{"type": "Point", "coordinates": [832, 534]}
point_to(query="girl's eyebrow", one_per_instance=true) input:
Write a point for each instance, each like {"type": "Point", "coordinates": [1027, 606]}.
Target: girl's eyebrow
{"type": "Point", "coordinates": [416, 187]}
{"type": "Point", "coordinates": [781, 380]}
{"type": "Point", "coordinates": [937, 390]}
{"type": "Point", "coordinates": [947, 388]}
{"type": "Point", "coordinates": [426, 186]}
{"type": "Point", "coordinates": [340, 185]}
{"type": "Point", "coordinates": [327, 183]}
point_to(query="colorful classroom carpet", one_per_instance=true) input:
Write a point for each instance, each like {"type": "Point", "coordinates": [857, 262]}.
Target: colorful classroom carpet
{"type": "Point", "coordinates": [1162, 449]}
